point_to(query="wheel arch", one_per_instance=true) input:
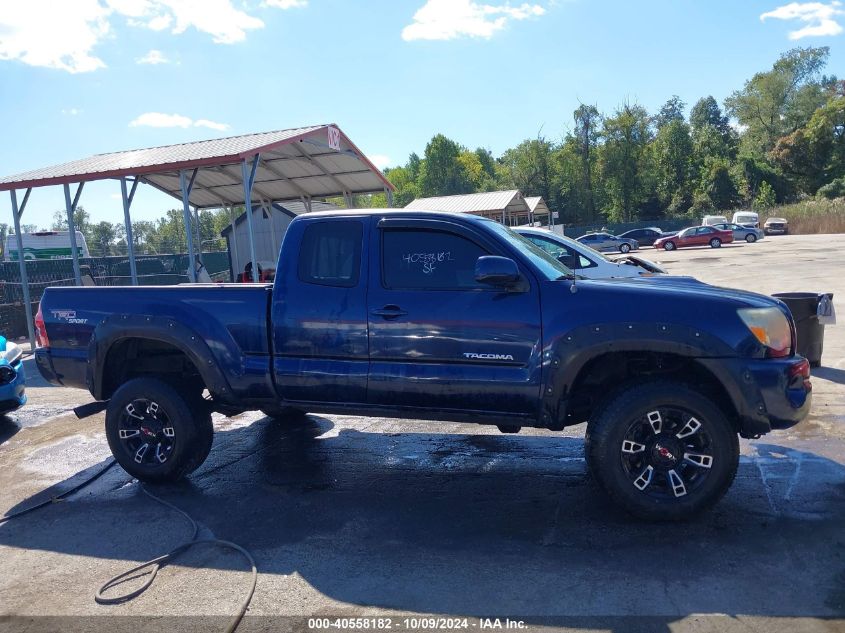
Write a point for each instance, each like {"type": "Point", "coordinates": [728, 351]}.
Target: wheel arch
{"type": "Point", "coordinates": [113, 339]}
{"type": "Point", "coordinates": [582, 373]}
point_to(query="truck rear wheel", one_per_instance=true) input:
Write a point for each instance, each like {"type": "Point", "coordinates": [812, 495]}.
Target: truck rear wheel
{"type": "Point", "coordinates": [153, 433]}
{"type": "Point", "coordinates": [662, 451]}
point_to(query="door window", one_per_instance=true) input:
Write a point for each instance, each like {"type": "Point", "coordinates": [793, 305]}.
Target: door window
{"type": "Point", "coordinates": [563, 254]}
{"type": "Point", "coordinates": [417, 259]}
{"type": "Point", "coordinates": [330, 254]}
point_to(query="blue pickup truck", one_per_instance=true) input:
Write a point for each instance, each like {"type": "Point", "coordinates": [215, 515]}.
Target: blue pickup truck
{"type": "Point", "coordinates": [427, 315]}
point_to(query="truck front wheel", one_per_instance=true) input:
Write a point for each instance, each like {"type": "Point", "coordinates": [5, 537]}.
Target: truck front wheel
{"type": "Point", "coordinates": [154, 433]}
{"type": "Point", "coordinates": [662, 450]}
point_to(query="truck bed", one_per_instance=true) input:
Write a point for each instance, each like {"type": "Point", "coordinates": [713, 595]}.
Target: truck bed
{"type": "Point", "coordinates": [230, 318]}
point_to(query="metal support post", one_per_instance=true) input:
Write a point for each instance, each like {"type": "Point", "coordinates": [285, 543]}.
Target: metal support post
{"type": "Point", "coordinates": [234, 242]}
{"type": "Point", "coordinates": [199, 234]}
{"type": "Point", "coordinates": [71, 227]}
{"type": "Point", "coordinates": [127, 223]}
{"type": "Point", "coordinates": [389, 193]}
{"type": "Point", "coordinates": [186, 214]}
{"type": "Point", "coordinates": [17, 213]}
{"type": "Point", "coordinates": [249, 180]}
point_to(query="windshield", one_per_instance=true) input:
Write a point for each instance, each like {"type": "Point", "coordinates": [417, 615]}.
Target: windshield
{"type": "Point", "coordinates": [547, 265]}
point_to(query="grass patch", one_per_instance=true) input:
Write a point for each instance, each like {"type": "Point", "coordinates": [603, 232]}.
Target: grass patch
{"type": "Point", "coordinates": [810, 216]}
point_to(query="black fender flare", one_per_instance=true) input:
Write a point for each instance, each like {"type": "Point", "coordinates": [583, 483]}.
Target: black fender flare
{"type": "Point", "coordinates": [568, 354]}
{"type": "Point", "coordinates": [117, 327]}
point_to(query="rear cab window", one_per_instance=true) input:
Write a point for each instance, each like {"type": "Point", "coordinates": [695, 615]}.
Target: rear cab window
{"type": "Point", "coordinates": [330, 253]}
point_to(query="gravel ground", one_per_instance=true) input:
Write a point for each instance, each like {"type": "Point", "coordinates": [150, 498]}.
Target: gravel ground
{"type": "Point", "coordinates": [352, 516]}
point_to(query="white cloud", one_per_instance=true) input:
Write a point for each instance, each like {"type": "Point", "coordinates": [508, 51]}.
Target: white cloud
{"type": "Point", "coordinates": [218, 18]}
{"type": "Point", "coordinates": [53, 34]}
{"type": "Point", "coordinates": [820, 18]}
{"type": "Point", "coordinates": [159, 119]}
{"type": "Point", "coordinates": [63, 34]}
{"type": "Point", "coordinates": [71, 111]}
{"type": "Point", "coordinates": [153, 57]}
{"type": "Point", "coordinates": [286, 4]}
{"type": "Point", "coordinates": [380, 160]}
{"type": "Point", "coordinates": [211, 124]}
{"type": "Point", "coordinates": [450, 19]}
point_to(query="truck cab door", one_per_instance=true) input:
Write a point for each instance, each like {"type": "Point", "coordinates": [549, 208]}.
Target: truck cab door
{"type": "Point", "coordinates": [438, 338]}
{"type": "Point", "coordinates": [319, 312]}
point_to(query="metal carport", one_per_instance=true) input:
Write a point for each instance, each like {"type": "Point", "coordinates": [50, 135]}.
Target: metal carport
{"type": "Point", "coordinates": [296, 164]}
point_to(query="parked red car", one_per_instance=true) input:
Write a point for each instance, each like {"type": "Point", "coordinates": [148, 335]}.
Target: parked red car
{"type": "Point", "coordinates": [695, 236]}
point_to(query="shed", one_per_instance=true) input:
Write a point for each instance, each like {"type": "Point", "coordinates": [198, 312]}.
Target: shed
{"type": "Point", "coordinates": [508, 207]}
{"type": "Point", "coordinates": [269, 224]}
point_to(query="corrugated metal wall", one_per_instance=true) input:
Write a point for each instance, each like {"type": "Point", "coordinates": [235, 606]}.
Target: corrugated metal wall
{"type": "Point", "coordinates": [268, 239]}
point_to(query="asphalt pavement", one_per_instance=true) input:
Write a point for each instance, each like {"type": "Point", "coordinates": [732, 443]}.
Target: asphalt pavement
{"type": "Point", "coordinates": [370, 517]}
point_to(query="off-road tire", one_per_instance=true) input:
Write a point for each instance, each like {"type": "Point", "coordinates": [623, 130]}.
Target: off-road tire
{"type": "Point", "coordinates": [187, 443]}
{"type": "Point", "coordinates": [611, 424]}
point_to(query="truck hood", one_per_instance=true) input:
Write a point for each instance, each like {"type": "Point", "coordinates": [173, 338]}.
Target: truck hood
{"type": "Point", "coordinates": [681, 289]}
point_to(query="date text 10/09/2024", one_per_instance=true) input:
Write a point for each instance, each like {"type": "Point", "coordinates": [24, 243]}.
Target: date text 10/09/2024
{"type": "Point", "coordinates": [413, 623]}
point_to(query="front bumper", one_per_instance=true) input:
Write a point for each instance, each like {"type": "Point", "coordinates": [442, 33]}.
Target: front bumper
{"type": "Point", "coordinates": [766, 393]}
{"type": "Point", "coordinates": [13, 394]}
{"type": "Point", "coordinates": [772, 231]}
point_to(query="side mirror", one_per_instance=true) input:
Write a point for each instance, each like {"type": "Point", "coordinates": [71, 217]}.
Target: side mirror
{"type": "Point", "coordinates": [496, 271]}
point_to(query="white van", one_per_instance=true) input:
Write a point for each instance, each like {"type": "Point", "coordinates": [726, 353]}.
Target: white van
{"type": "Point", "coordinates": [710, 220]}
{"type": "Point", "coordinates": [747, 219]}
{"type": "Point", "coordinates": [44, 245]}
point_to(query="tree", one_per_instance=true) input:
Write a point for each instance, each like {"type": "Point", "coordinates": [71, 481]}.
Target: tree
{"type": "Point", "coordinates": [441, 173]}
{"type": "Point", "coordinates": [765, 197]}
{"type": "Point", "coordinates": [673, 155]}
{"type": "Point", "coordinates": [101, 238]}
{"type": "Point", "coordinates": [624, 166]}
{"type": "Point", "coordinates": [586, 133]}
{"type": "Point", "coordinates": [529, 167]}
{"type": "Point", "coordinates": [672, 110]}
{"type": "Point", "coordinates": [720, 187]}
{"type": "Point", "coordinates": [706, 111]}
{"type": "Point", "coordinates": [81, 220]}
{"type": "Point", "coordinates": [781, 100]}
{"type": "Point", "coordinates": [405, 183]}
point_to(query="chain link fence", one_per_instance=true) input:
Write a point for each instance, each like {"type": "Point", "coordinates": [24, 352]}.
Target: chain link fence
{"type": "Point", "coordinates": [153, 270]}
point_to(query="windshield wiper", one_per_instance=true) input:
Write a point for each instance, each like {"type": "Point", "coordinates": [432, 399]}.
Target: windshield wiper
{"type": "Point", "coordinates": [569, 277]}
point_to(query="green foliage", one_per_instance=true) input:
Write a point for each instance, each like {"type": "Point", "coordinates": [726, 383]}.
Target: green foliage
{"type": "Point", "coordinates": [788, 141]}
{"type": "Point", "coordinates": [765, 198]}
{"type": "Point", "coordinates": [624, 161]}
{"type": "Point", "coordinates": [833, 190]}
{"type": "Point", "coordinates": [779, 101]}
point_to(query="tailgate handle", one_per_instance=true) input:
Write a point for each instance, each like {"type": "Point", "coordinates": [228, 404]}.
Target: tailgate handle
{"type": "Point", "coordinates": [389, 312]}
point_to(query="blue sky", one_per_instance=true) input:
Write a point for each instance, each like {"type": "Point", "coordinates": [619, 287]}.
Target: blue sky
{"type": "Point", "coordinates": [77, 75]}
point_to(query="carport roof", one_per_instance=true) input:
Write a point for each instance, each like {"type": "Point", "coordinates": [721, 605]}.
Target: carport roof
{"type": "Point", "coordinates": [294, 164]}
{"type": "Point", "coordinates": [478, 203]}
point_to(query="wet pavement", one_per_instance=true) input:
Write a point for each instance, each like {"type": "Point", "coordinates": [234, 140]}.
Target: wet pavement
{"type": "Point", "coordinates": [351, 516]}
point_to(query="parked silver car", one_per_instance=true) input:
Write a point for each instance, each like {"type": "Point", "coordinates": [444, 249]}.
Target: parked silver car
{"type": "Point", "coordinates": [747, 233]}
{"type": "Point", "coordinates": [608, 242]}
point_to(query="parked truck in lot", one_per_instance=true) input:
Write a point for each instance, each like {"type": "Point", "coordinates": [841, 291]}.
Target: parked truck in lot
{"type": "Point", "coordinates": [427, 315]}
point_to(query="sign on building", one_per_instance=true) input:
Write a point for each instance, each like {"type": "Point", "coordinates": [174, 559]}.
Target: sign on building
{"type": "Point", "coordinates": [334, 138]}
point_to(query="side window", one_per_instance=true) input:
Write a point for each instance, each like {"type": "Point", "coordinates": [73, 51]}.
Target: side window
{"type": "Point", "coordinates": [552, 248]}
{"type": "Point", "coordinates": [415, 259]}
{"type": "Point", "coordinates": [330, 253]}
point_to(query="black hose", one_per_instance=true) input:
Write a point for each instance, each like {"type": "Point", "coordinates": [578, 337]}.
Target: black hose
{"type": "Point", "coordinates": [66, 493]}
{"type": "Point", "coordinates": [157, 563]}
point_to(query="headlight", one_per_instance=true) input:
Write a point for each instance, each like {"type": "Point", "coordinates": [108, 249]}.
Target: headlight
{"type": "Point", "coordinates": [770, 327]}
{"type": "Point", "coordinates": [12, 354]}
